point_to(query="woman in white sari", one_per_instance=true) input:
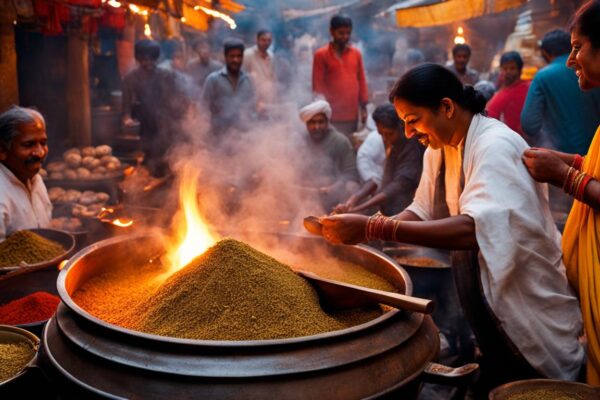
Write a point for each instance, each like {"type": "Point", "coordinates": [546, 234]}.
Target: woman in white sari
{"type": "Point", "coordinates": [475, 195]}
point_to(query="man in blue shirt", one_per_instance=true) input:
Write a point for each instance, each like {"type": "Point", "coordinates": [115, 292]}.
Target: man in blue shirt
{"type": "Point", "coordinates": [228, 94]}
{"type": "Point", "coordinates": [555, 103]}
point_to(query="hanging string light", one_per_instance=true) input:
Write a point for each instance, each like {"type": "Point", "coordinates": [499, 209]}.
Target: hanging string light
{"type": "Point", "coordinates": [230, 21]}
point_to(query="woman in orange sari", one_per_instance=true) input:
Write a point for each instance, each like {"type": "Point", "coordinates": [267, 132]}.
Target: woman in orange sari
{"type": "Point", "coordinates": [580, 177]}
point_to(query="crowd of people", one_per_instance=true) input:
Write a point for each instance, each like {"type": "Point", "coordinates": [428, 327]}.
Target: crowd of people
{"type": "Point", "coordinates": [446, 166]}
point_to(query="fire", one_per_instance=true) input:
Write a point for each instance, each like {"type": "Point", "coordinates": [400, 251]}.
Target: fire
{"type": "Point", "coordinates": [194, 236]}
{"type": "Point", "coordinates": [147, 31]}
{"type": "Point", "coordinates": [123, 222]}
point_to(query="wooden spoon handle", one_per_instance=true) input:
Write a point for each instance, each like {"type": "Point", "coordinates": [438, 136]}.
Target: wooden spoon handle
{"type": "Point", "coordinates": [401, 301]}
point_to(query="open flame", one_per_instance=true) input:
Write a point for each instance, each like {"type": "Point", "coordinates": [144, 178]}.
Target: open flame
{"type": "Point", "coordinates": [194, 236]}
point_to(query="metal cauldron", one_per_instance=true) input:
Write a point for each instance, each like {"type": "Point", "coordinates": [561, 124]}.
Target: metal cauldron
{"type": "Point", "coordinates": [93, 358]}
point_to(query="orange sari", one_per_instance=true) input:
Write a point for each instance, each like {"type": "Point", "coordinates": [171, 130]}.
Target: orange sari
{"type": "Point", "coordinates": [581, 254]}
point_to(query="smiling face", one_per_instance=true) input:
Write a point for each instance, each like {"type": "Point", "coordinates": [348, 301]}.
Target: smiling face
{"type": "Point", "coordinates": [585, 60]}
{"type": "Point", "coordinates": [432, 128]}
{"type": "Point", "coordinates": [27, 151]}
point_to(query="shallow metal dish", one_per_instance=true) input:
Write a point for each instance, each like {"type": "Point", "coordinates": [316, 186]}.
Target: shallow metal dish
{"type": "Point", "coordinates": [13, 334]}
{"type": "Point", "coordinates": [66, 240]}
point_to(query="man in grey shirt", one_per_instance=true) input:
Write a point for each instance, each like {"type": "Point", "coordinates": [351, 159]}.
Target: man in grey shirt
{"type": "Point", "coordinates": [228, 93]}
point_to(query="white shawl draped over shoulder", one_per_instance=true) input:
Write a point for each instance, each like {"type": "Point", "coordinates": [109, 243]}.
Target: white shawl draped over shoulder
{"type": "Point", "coordinates": [520, 258]}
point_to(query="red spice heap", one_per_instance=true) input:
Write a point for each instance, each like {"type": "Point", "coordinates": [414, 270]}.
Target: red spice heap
{"type": "Point", "coordinates": [38, 306]}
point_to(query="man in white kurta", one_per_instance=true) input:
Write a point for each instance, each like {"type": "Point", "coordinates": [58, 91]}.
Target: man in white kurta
{"type": "Point", "coordinates": [370, 159]}
{"type": "Point", "coordinates": [22, 206]}
{"type": "Point", "coordinates": [24, 202]}
{"type": "Point", "coordinates": [522, 272]}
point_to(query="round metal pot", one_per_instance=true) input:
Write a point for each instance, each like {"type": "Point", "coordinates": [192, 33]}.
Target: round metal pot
{"type": "Point", "coordinates": [382, 357]}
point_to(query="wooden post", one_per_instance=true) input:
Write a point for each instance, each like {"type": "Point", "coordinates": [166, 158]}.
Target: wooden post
{"type": "Point", "coordinates": [9, 92]}
{"type": "Point", "coordinates": [79, 118]}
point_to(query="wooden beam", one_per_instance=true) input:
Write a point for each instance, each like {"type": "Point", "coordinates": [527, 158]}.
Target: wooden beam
{"type": "Point", "coordinates": [78, 90]}
{"type": "Point", "coordinates": [9, 92]}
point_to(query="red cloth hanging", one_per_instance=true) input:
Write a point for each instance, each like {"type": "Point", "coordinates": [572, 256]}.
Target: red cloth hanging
{"type": "Point", "coordinates": [115, 18]}
{"type": "Point", "coordinates": [52, 13]}
{"type": "Point", "coordinates": [86, 3]}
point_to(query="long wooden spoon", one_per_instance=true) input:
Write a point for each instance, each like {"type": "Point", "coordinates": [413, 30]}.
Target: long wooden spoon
{"type": "Point", "coordinates": [344, 295]}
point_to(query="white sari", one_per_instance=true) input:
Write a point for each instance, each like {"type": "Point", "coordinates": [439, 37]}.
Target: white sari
{"type": "Point", "coordinates": [522, 272]}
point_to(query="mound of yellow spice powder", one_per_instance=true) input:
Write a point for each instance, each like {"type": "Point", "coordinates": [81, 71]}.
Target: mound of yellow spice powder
{"type": "Point", "coordinates": [234, 292]}
{"type": "Point", "coordinates": [29, 248]}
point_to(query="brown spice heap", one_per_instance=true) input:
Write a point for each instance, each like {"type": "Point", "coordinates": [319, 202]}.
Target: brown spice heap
{"type": "Point", "coordinates": [14, 356]}
{"type": "Point", "coordinates": [234, 292]}
{"type": "Point", "coordinates": [114, 296]}
{"type": "Point", "coordinates": [545, 394]}
{"type": "Point", "coordinates": [29, 248]}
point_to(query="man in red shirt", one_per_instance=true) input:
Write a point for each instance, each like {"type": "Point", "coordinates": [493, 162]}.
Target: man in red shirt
{"type": "Point", "coordinates": [339, 75]}
{"type": "Point", "coordinates": [507, 104]}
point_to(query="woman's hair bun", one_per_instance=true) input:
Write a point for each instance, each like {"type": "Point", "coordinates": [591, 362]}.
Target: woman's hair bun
{"type": "Point", "coordinates": [473, 100]}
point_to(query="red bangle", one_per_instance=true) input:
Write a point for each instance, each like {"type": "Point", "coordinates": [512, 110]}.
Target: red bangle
{"type": "Point", "coordinates": [577, 162]}
{"type": "Point", "coordinates": [579, 195]}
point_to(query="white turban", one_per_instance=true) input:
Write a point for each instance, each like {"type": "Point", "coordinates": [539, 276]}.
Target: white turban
{"type": "Point", "coordinates": [314, 108]}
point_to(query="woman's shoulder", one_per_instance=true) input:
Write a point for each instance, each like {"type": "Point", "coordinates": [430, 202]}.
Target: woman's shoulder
{"type": "Point", "coordinates": [494, 135]}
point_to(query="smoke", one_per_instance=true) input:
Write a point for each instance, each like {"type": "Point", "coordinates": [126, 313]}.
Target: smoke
{"type": "Point", "coordinates": [251, 181]}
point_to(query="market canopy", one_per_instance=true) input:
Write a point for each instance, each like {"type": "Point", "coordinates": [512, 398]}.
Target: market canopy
{"type": "Point", "coordinates": [425, 13]}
